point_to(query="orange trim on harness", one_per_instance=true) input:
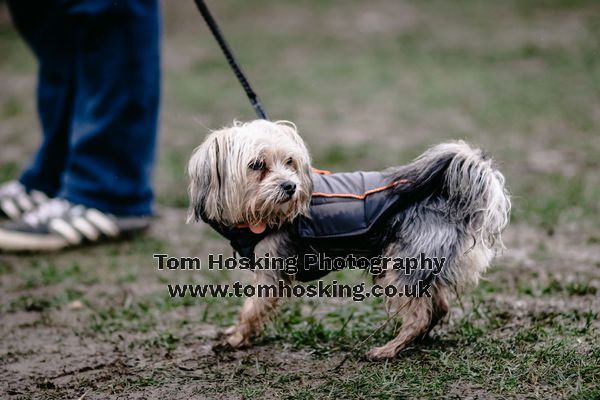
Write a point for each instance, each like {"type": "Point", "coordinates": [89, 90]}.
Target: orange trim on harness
{"type": "Point", "coordinates": [320, 171]}
{"type": "Point", "coordinates": [365, 194]}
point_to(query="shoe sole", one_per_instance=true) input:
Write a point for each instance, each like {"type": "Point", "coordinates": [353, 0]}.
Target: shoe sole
{"type": "Point", "coordinates": [25, 242]}
{"type": "Point", "coordinates": [16, 242]}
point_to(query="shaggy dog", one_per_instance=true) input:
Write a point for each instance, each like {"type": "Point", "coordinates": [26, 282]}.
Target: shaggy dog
{"type": "Point", "coordinates": [254, 184]}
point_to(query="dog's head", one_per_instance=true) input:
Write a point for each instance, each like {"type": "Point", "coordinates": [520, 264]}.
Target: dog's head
{"type": "Point", "coordinates": [255, 173]}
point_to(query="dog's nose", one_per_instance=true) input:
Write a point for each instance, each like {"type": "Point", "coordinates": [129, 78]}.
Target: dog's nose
{"type": "Point", "coordinates": [289, 187]}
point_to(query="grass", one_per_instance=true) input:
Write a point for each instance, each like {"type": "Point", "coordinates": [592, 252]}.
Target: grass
{"type": "Point", "coordinates": [369, 85]}
{"type": "Point", "coordinates": [468, 353]}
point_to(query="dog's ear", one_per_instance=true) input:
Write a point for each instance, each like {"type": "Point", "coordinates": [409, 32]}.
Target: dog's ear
{"type": "Point", "coordinates": [206, 171]}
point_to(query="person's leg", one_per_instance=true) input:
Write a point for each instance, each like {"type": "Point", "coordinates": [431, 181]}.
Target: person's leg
{"type": "Point", "coordinates": [46, 27]}
{"type": "Point", "coordinates": [112, 135]}
{"type": "Point", "coordinates": [114, 129]}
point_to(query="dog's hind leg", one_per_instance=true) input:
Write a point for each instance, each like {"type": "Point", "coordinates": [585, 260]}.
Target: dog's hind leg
{"type": "Point", "coordinates": [419, 316]}
{"type": "Point", "coordinates": [416, 316]}
{"type": "Point", "coordinates": [439, 306]}
{"type": "Point", "coordinates": [422, 231]}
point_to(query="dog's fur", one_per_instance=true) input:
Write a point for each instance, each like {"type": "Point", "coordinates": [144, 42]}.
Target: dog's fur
{"type": "Point", "coordinates": [458, 209]}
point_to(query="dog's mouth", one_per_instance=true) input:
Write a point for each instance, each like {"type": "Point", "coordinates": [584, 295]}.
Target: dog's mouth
{"type": "Point", "coordinates": [286, 199]}
{"type": "Point", "coordinates": [281, 208]}
{"type": "Point", "coordinates": [285, 206]}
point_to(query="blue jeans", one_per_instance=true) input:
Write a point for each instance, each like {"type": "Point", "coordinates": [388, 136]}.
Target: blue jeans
{"type": "Point", "coordinates": [98, 98]}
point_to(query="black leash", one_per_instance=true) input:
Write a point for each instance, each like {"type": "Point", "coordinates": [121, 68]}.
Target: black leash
{"type": "Point", "coordinates": [214, 28]}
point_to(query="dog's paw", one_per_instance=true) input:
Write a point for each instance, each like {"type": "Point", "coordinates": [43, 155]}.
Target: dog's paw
{"type": "Point", "coordinates": [222, 336]}
{"type": "Point", "coordinates": [237, 340]}
{"type": "Point", "coordinates": [230, 343]}
{"type": "Point", "coordinates": [231, 339]}
{"type": "Point", "coordinates": [382, 353]}
{"type": "Point", "coordinates": [230, 331]}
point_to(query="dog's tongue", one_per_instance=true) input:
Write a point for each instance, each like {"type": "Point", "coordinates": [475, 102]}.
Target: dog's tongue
{"type": "Point", "coordinates": [258, 228]}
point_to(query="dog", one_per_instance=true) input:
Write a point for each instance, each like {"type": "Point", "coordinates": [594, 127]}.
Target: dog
{"type": "Point", "coordinates": [253, 183]}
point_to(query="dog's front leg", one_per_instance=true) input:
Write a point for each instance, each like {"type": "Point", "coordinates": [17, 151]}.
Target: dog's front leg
{"type": "Point", "coordinates": [255, 313]}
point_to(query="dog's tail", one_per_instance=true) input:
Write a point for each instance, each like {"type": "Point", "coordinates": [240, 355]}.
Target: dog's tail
{"type": "Point", "coordinates": [473, 189]}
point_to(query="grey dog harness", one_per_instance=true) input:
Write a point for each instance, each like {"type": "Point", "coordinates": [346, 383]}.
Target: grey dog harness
{"type": "Point", "coordinates": [345, 217]}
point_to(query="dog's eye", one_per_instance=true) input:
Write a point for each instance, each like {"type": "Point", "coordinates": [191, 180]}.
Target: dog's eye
{"type": "Point", "coordinates": [257, 165]}
{"type": "Point", "coordinates": [289, 161]}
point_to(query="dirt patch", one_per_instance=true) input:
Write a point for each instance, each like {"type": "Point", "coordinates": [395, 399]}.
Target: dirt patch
{"type": "Point", "coordinates": [65, 351]}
